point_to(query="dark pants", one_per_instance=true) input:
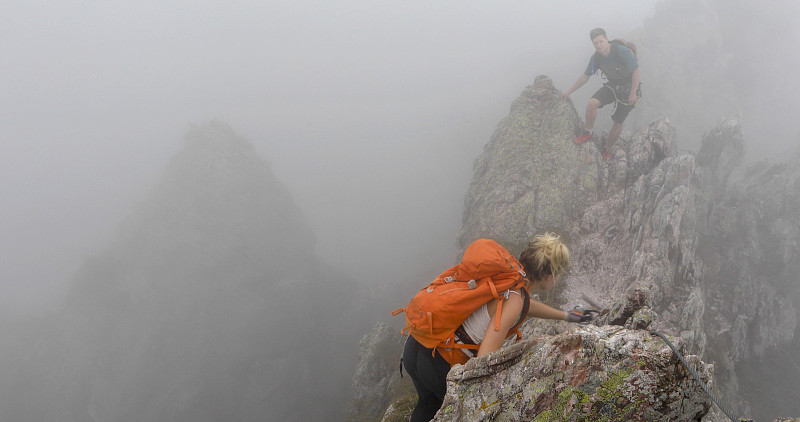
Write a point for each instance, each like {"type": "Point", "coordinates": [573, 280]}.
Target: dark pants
{"type": "Point", "coordinates": [428, 374]}
{"type": "Point", "coordinates": [608, 94]}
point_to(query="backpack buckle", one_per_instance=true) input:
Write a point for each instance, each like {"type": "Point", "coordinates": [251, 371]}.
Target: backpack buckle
{"type": "Point", "coordinates": [449, 279]}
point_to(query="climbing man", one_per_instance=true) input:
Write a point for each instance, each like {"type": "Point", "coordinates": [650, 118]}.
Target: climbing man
{"type": "Point", "coordinates": [617, 60]}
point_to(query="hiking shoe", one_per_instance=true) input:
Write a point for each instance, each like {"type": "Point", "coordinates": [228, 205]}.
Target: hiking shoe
{"type": "Point", "coordinates": [583, 137]}
{"type": "Point", "coordinates": [606, 155]}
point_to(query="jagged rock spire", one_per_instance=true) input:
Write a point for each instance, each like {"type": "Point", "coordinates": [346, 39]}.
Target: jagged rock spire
{"type": "Point", "coordinates": [208, 305]}
{"type": "Point", "coordinates": [530, 175]}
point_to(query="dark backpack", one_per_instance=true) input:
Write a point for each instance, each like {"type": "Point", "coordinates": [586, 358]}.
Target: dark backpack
{"type": "Point", "coordinates": [619, 41]}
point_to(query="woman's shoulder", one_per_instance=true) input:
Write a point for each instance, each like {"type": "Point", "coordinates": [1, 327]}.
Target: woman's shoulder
{"type": "Point", "coordinates": [515, 298]}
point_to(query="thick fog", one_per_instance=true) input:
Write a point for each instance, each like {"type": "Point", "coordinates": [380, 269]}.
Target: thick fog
{"type": "Point", "coordinates": [370, 112]}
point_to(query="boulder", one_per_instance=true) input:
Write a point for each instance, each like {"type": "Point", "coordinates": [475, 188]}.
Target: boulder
{"type": "Point", "coordinates": [586, 373]}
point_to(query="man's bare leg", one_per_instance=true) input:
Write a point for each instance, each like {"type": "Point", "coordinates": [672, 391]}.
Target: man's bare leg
{"type": "Point", "coordinates": [591, 113]}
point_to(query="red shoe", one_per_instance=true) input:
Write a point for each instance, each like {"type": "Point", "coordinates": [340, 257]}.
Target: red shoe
{"type": "Point", "coordinates": [583, 137]}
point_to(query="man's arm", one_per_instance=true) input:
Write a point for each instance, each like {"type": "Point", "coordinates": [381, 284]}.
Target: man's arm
{"type": "Point", "coordinates": [634, 85]}
{"type": "Point", "coordinates": [579, 83]}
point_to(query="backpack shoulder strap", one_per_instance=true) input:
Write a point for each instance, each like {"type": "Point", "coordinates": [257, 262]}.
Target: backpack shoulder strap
{"type": "Point", "coordinates": [526, 305]}
{"type": "Point", "coordinates": [619, 41]}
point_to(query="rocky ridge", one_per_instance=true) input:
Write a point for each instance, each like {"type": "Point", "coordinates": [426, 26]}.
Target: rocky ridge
{"type": "Point", "coordinates": [650, 231]}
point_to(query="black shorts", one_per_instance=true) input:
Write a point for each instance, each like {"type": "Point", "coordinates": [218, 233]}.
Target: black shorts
{"type": "Point", "coordinates": [607, 96]}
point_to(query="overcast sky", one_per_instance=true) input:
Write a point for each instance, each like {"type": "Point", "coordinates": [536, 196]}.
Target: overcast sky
{"type": "Point", "coordinates": [370, 112]}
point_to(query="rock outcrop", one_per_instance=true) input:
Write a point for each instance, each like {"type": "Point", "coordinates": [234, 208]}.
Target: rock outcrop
{"type": "Point", "coordinates": [691, 246]}
{"type": "Point", "coordinates": [527, 178]}
{"type": "Point", "coordinates": [377, 381]}
{"type": "Point", "coordinates": [586, 373]}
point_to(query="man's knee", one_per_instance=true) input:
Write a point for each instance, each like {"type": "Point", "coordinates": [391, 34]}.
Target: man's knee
{"type": "Point", "coordinates": [593, 104]}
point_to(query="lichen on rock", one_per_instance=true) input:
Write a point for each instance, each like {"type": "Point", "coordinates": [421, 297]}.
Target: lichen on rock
{"type": "Point", "coordinates": [587, 373]}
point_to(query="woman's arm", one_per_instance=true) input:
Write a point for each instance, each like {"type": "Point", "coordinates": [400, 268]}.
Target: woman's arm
{"type": "Point", "coordinates": [493, 340]}
{"type": "Point", "coordinates": [540, 310]}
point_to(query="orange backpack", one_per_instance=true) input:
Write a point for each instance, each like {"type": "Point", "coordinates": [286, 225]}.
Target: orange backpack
{"type": "Point", "coordinates": [487, 270]}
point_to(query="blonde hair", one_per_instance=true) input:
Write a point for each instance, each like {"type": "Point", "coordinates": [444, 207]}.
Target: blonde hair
{"type": "Point", "coordinates": [545, 255]}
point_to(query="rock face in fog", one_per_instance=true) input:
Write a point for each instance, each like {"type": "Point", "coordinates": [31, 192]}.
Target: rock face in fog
{"type": "Point", "coordinates": [691, 246]}
{"type": "Point", "coordinates": [687, 47]}
{"type": "Point", "coordinates": [208, 305]}
{"type": "Point", "coordinates": [749, 243]}
{"type": "Point", "coordinates": [377, 381]}
{"type": "Point", "coordinates": [713, 247]}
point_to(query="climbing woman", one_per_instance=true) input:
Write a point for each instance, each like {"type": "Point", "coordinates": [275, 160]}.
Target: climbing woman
{"type": "Point", "coordinates": [483, 330]}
